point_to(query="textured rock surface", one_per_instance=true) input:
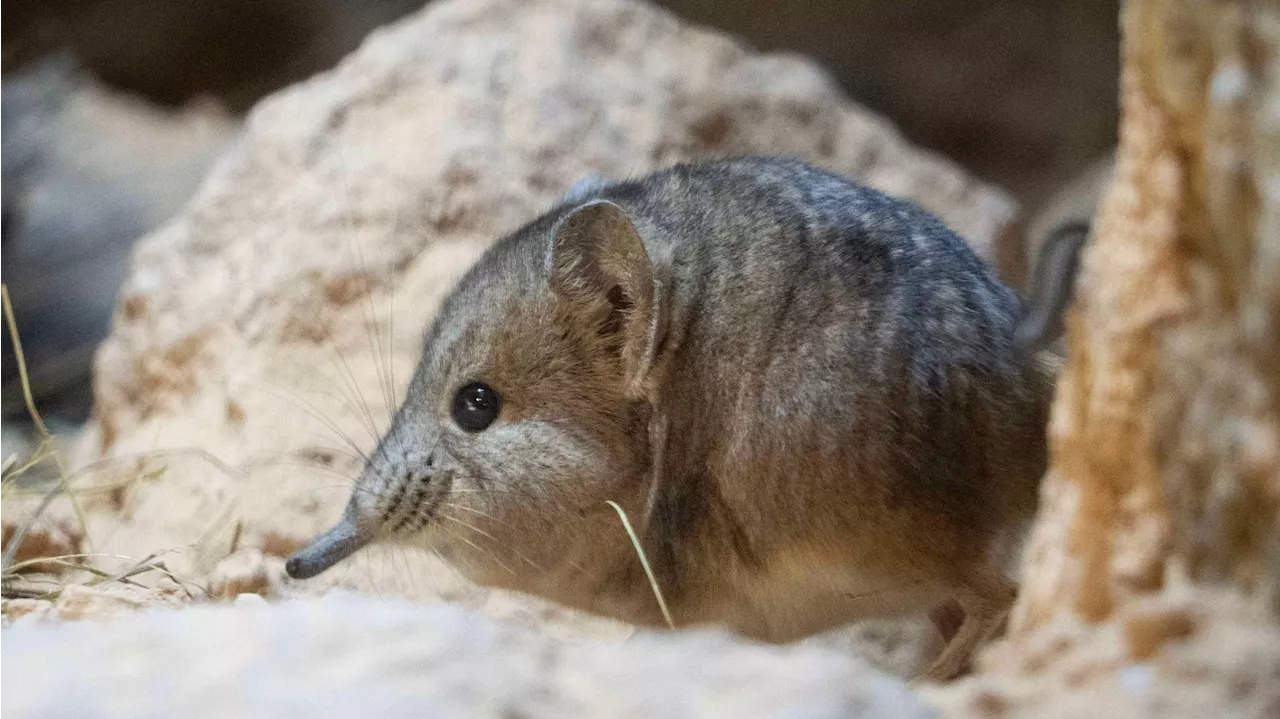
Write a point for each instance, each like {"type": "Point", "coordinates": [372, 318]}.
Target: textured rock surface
{"type": "Point", "coordinates": [1150, 585]}
{"type": "Point", "coordinates": [1166, 432]}
{"type": "Point", "coordinates": [349, 656]}
{"type": "Point", "coordinates": [263, 335]}
{"type": "Point", "coordinates": [1183, 654]}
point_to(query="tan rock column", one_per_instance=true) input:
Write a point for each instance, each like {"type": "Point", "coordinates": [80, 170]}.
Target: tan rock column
{"type": "Point", "coordinates": [1165, 434]}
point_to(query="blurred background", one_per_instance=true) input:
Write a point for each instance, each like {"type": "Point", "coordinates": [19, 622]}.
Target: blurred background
{"type": "Point", "coordinates": [113, 111]}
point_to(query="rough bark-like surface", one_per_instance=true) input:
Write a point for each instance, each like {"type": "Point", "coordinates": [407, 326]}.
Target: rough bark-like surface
{"type": "Point", "coordinates": [1149, 586]}
{"type": "Point", "coordinates": [1165, 435]}
{"type": "Point", "coordinates": [1183, 654]}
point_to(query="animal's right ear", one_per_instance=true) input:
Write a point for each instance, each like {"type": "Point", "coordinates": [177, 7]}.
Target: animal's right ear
{"type": "Point", "coordinates": [599, 263]}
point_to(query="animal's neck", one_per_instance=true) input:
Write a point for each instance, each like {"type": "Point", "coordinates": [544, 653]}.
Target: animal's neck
{"type": "Point", "coordinates": [693, 542]}
{"type": "Point", "coordinates": [691, 538]}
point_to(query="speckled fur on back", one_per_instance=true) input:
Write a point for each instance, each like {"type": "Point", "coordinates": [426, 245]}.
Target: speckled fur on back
{"type": "Point", "coordinates": [805, 393]}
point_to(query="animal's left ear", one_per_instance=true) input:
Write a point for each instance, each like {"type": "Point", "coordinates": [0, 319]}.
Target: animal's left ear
{"type": "Point", "coordinates": [599, 263]}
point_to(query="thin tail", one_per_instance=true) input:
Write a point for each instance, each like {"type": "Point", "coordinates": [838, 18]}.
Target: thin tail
{"type": "Point", "coordinates": [1052, 289]}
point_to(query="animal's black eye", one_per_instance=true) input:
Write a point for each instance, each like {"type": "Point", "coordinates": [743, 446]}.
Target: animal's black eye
{"type": "Point", "coordinates": [476, 406]}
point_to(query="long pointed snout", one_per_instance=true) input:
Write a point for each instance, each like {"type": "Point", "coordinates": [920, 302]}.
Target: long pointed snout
{"type": "Point", "coordinates": [326, 550]}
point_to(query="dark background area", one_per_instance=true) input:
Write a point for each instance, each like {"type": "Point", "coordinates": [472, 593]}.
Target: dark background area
{"type": "Point", "coordinates": [1020, 92]}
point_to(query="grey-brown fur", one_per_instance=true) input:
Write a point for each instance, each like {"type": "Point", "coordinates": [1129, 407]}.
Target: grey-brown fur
{"type": "Point", "coordinates": [805, 394]}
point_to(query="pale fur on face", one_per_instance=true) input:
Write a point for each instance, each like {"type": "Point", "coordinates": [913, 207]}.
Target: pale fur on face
{"type": "Point", "coordinates": [567, 438]}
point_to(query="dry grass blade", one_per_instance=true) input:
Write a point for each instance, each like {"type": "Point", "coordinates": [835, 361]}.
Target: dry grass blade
{"type": "Point", "coordinates": [12, 550]}
{"type": "Point", "coordinates": [66, 559]}
{"type": "Point", "coordinates": [140, 566]}
{"type": "Point", "coordinates": [140, 476]}
{"type": "Point", "coordinates": [13, 471]}
{"type": "Point", "coordinates": [219, 539]}
{"type": "Point", "coordinates": [22, 362]}
{"type": "Point", "coordinates": [102, 576]}
{"type": "Point", "coordinates": [23, 593]}
{"type": "Point", "coordinates": [644, 562]}
{"type": "Point", "coordinates": [56, 374]}
{"type": "Point", "coordinates": [147, 564]}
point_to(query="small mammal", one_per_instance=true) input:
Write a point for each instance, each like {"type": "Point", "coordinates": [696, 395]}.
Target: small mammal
{"type": "Point", "coordinates": [806, 395]}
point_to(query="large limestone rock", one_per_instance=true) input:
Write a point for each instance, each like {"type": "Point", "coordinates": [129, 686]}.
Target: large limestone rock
{"type": "Point", "coordinates": [346, 656]}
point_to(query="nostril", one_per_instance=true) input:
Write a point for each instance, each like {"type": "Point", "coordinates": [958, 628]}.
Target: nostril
{"type": "Point", "coordinates": [431, 459]}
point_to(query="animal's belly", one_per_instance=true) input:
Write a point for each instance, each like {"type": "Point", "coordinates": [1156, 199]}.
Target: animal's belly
{"type": "Point", "coordinates": [784, 608]}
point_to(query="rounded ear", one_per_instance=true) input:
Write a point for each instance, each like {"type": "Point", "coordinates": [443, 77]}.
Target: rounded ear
{"type": "Point", "coordinates": [597, 259]}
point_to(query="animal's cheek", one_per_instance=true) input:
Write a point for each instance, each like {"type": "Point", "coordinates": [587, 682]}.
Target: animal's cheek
{"type": "Point", "coordinates": [531, 455]}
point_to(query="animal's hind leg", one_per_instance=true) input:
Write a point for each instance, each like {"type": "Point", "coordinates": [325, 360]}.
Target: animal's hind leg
{"type": "Point", "coordinates": [947, 618]}
{"type": "Point", "coordinates": [985, 598]}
